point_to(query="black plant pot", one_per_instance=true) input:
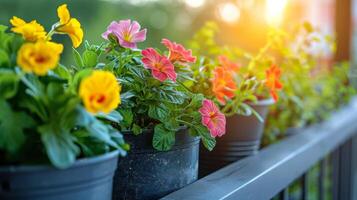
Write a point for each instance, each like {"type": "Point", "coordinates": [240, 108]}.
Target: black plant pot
{"type": "Point", "coordinates": [242, 139]}
{"type": "Point", "coordinates": [87, 179]}
{"type": "Point", "coordinates": [146, 173]}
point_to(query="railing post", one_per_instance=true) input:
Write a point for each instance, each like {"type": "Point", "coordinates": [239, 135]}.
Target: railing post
{"type": "Point", "coordinates": [354, 168]}
{"type": "Point", "coordinates": [345, 171]}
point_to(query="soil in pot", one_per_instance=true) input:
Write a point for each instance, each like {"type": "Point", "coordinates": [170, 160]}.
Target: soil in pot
{"type": "Point", "coordinates": [242, 139]}
{"type": "Point", "coordinates": [146, 173]}
{"type": "Point", "coordinates": [88, 178]}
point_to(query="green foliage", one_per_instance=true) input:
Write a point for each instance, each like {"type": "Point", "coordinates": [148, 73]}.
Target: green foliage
{"type": "Point", "coordinates": [311, 90]}
{"type": "Point", "coordinates": [147, 103]}
{"type": "Point", "coordinates": [42, 118]}
{"type": "Point", "coordinates": [204, 44]}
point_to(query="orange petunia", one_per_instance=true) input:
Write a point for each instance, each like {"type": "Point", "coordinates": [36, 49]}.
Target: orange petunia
{"type": "Point", "coordinates": [223, 84]}
{"type": "Point", "coordinates": [272, 81]}
{"type": "Point", "coordinates": [227, 64]}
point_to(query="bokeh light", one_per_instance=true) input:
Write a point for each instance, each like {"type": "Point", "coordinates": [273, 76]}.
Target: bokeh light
{"type": "Point", "coordinates": [229, 12]}
{"type": "Point", "coordinates": [195, 3]}
{"type": "Point", "coordinates": [274, 11]}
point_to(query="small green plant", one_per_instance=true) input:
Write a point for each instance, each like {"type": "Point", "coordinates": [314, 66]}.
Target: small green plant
{"type": "Point", "coordinates": [43, 117]}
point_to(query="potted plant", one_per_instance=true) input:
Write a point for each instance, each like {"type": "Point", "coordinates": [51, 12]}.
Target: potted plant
{"type": "Point", "coordinates": [56, 141]}
{"type": "Point", "coordinates": [302, 52]}
{"type": "Point", "coordinates": [245, 85]}
{"type": "Point", "coordinates": [162, 119]}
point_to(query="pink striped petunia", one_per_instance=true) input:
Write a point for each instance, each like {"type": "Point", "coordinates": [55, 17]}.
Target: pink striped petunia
{"type": "Point", "coordinates": [212, 118]}
{"type": "Point", "coordinates": [178, 53]}
{"type": "Point", "coordinates": [161, 67]}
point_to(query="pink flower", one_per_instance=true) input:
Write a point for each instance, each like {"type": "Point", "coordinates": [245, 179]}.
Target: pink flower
{"type": "Point", "coordinates": [128, 33]}
{"type": "Point", "coordinates": [161, 67]}
{"type": "Point", "coordinates": [212, 118]}
{"type": "Point", "coordinates": [178, 53]}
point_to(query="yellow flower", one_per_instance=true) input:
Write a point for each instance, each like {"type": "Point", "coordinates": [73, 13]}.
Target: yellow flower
{"type": "Point", "coordinates": [100, 92]}
{"type": "Point", "coordinates": [39, 57]}
{"type": "Point", "coordinates": [31, 31]}
{"type": "Point", "coordinates": [70, 26]}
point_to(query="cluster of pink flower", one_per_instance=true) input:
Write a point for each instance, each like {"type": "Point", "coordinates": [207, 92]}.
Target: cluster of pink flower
{"type": "Point", "coordinates": [162, 67]}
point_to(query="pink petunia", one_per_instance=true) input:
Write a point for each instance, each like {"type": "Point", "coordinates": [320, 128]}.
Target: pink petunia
{"type": "Point", "coordinates": [128, 33]}
{"type": "Point", "coordinates": [161, 67]}
{"type": "Point", "coordinates": [178, 53]}
{"type": "Point", "coordinates": [212, 118]}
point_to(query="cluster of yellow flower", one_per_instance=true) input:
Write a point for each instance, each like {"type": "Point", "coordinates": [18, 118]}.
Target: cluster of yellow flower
{"type": "Point", "coordinates": [100, 91]}
{"type": "Point", "coordinates": [42, 55]}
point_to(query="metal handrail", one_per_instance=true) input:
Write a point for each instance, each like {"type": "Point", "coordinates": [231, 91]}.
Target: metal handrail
{"type": "Point", "coordinates": [270, 171]}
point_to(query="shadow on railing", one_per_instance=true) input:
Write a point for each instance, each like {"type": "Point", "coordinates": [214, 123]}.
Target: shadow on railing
{"type": "Point", "coordinates": [270, 172]}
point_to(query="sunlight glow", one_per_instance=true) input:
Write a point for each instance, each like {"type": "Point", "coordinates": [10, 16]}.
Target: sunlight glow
{"type": "Point", "coordinates": [274, 11]}
{"type": "Point", "coordinates": [229, 12]}
{"type": "Point", "coordinates": [195, 3]}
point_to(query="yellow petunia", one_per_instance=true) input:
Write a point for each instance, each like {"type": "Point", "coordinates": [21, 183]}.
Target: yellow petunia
{"type": "Point", "coordinates": [100, 92]}
{"type": "Point", "coordinates": [31, 31]}
{"type": "Point", "coordinates": [70, 26]}
{"type": "Point", "coordinates": [39, 57]}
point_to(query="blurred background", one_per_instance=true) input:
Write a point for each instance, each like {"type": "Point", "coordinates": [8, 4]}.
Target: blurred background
{"type": "Point", "coordinates": [242, 22]}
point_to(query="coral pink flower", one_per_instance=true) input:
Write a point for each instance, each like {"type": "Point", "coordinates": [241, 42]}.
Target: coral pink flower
{"type": "Point", "coordinates": [212, 118]}
{"type": "Point", "coordinates": [128, 33]}
{"type": "Point", "coordinates": [161, 67]}
{"type": "Point", "coordinates": [227, 64]}
{"type": "Point", "coordinates": [178, 53]}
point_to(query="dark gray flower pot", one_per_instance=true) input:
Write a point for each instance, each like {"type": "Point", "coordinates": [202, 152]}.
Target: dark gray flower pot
{"type": "Point", "coordinates": [146, 173]}
{"type": "Point", "coordinates": [87, 179]}
{"type": "Point", "coordinates": [243, 137]}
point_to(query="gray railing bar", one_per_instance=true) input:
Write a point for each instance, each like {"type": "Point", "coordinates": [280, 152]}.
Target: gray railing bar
{"type": "Point", "coordinates": [305, 186]}
{"type": "Point", "coordinates": [264, 175]}
{"type": "Point", "coordinates": [284, 195]}
{"type": "Point", "coordinates": [321, 179]}
{"type": "Point", "coordinates": [335, 164]}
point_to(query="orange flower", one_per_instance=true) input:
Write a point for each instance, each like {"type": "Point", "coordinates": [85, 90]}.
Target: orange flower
{"type": "Point", "coordinates": [223, 84]}
{"type": "Point", "coordinates": [227, 64]}
{"type": "Point", "coordinates": [272, 81]}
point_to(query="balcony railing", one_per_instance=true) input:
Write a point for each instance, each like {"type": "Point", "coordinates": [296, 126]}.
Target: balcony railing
{"type": "Point", "coordinates": [272, 170]}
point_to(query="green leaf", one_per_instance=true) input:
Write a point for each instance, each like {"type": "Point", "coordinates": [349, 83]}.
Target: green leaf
{"type": "Point", "coordinates": [12, 125]}
{"type": "Point", "coordinates": [3, 28]}
{"type": "Point", "coordinates": [63, 72]}
{"type": "Point", "coordinates": [159, 112]}
{"type": "Point", "coordinates": [95, 128]}
{"type": "Point", "coordinates": [163, 139]}
{"type": "Point", "coordinates": [172, 96]}
{"type": "Point", "coordinates": [77, 58]}
{"type": "Point", "coordinates": [60, 145]}
{"type": "Point", "coordinates": [9, 82]}
{"type": "Point", "coordinates": [114, 116]}
{"type": "Point", "coordinates": [90, 58]}
{"type": "Point", "coordinates": [127, 117]}
{"type": "Point", "coordinates": [137, 129]}
{"type": "Point", "coordinates": [208, 141]}
{"type": "Point", "coordinates": [4, 58]}
{"type": "Point", "coordinates": [171, 124]}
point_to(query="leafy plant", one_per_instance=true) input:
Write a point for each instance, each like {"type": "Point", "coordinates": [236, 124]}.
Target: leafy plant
{"type": "Point", "coordinates": [154, 92]}
{"type": "Point", "coordinates": [42, 117]}
{"type": "Point", "coordinates": [232, 76]}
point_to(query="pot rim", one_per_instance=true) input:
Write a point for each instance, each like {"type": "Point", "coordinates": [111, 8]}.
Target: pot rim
{"type": "Point", "coordinates": [148, 130]}
{"type": "Point", "coordinates": [264, 102]}
{"type": "Point", "coordinates": [41, 167]}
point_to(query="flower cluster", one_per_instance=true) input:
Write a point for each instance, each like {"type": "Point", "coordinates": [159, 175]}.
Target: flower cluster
{"type": "Point", "coordinates": [157, 86]}
{"type": "Point", "coordinates": [272, 81]}
{"type": "Point", "coordinates": [43, 55]}
{"type": "Point", "coordinates": [66, 114]}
